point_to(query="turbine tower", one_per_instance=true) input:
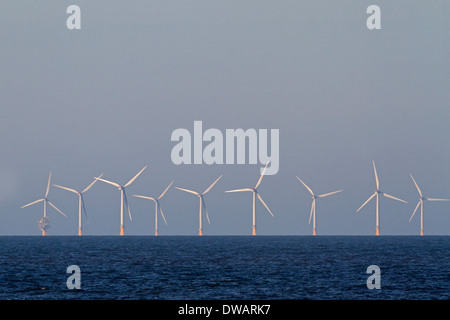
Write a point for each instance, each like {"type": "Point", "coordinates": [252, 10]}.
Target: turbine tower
{"type": "Point", "coordinates": [80, 201]}
{"type": "Point", "coordinates": [202, 203]}
{"type": "Point", "coordinates": [420, 203]}
{"type": "Point", "coordinates": [44, 223]}
{"type": "Point", "coordinates": [157, 206]}
{"type": "Point", "coordinates": [377, 194]}
{"type": "Point", "coordinates": [254, 190]}
{"type": "Point", "coordinates": [123, 197]}
{"type": "Point", "coordinates": [313, 206]}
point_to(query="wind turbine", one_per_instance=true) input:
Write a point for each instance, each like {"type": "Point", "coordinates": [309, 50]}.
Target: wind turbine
{"type": "Point", "coordinates": [80, 201]}
{"type": "Point", "coordinates": [377, 194]}
{"type": "Point", "coordinates": [44, 223]}
{"type": "Point", "coordinates": [254, 190]}
{"type": "Point", "coordinates": [157, 206]}
{"type": "Point", "coordinates": [123, 197]}
{"type": "Point", "coordinates": [313, 206]}
{"type": "Point", "coordinates": [202, 203]}
{"type": "Point", "coordinates": [420, 203]}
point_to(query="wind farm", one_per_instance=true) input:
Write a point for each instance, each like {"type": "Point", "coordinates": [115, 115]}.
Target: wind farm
{"type": "Point", "coordinates": [377, 194]}
{"type": "Point", "coordinates": [123, 197]}
{"type": "Point", "coordinates": [44, 222]}
{"type": "Point", "coordinates": [157, 206]}
{"type": "Point", "coordinates": [420, 203]}
{"type": "Point", "coordinates": [203, 212]}
{"type": "Point", "coordinates": [201, 203]}
{"type": "Point", "coordinates": [255, 194]}
{"type": "Point", "coordinates": [313, 205]}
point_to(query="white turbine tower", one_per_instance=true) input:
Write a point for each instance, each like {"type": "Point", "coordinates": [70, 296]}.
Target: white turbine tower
{"type": "Point", "coordinates": [420, 203]}
{"type": "Point", "coordinates": [123, 197]}
{"type": "Point", "coordinates": [313, 206]}
{"type": "Point", "coordinates": [44, 223]}
{"type": "Point", "coordinates": [254, 190]}
{"type": "Point", "coordinates": [202, 203]}
{"type": "Point", "coordinates": [157, 206]}
{"type": "Point", "coordinates": [81, 206]}
{"type": "Point", "coordinates": [377, 194]}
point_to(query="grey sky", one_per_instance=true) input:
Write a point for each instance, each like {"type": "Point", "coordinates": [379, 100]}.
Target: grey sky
{"type": "Point", "coordinates": [105, 99]}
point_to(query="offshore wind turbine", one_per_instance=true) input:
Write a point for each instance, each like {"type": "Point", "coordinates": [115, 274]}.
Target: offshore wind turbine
{"type": "Point", "coordinates": [44, 223]}
{"type": "Point", "coordinates": [377, 194]}
{"type": "Point", "coordinates": [123, 197]}
{"type": "Point", "coordinates": [157, 206]}
{"type": "Point", "coordinates": [420, 203]}
{"type": "Point", "coordinates": [202, 203]}
{"type": "Point", "coordinates": [255, 193]}
{"type": "Point", "coordinates": [81, 206]}
{"type": "Point", "coordinates": [313, 206]}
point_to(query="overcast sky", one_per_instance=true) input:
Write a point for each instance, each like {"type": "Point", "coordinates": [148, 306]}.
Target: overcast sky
{"type": "Point", "coordinates": [106, 98]}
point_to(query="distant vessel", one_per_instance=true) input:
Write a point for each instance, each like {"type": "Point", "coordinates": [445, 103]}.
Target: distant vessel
{"type": "Point", "coordinates": [44, 224]}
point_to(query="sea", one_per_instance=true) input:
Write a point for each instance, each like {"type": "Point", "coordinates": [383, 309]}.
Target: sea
{"type": "Point", "coordinates": [225, 267]}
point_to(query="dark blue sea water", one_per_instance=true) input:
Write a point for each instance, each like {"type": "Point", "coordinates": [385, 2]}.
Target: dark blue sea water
{"type": "Point", "coordinates": [225, 267]}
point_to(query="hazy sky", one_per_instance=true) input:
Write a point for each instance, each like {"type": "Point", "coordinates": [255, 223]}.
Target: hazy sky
{"type": "Point", "coordinates": [106, 98]}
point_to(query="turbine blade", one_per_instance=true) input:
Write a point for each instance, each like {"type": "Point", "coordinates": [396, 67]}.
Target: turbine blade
{"type": "Point", "coordinates": [110, 182]}
{"type": "Point", "coordinates": [48, 185]}
{"type": "Point", "coordinates": [376, 175]}
{"type": "Point", "coordinates": [40, 200]}
{"type": "Point", "coordinates": [164, 192]}
{"type": "Point", "coordinates": [370, 198]}
{"type": "Point", "coordinates": [262, 175]}
{"type": "Point", "coordinates": [84, 208]}
{"type": "Point", "coordinates": [312, 210]}
{"type": "Point", "coordinates": [436, 199]}
{"type": "Point", "coordinates": [126, 203]}
{"type": "Point", "coordinates": [210, 187]}
{"type": "Point", "coordinates": [309, 189]}
{"type": "Point", "coordinates": [392, 197]}
{"type": "Point", "coordinates": [265, 205]}
{"type": "Point", "coordinates": [240, 190]}
{"type": "Point", "coordinates": [65, 188]}
{"type": "Point", "coordinates": [131, 181]}
{"type": "Point", "coordinates": [54, 207]}
{"type": "Point", "coordinates": [418, 189]}
{"type": "Point", "coordinates": [206, 210]}
{"type": "Point", "coordinates": [92, 183]}
{"type": "Point", "coordinates": [328, 194]}
{"type": "Point", "coordinates": [162, 214]}
{"type": "Point", "coordinates": [187, 190]}
{"type": "Point", "coordinates": [415, 210]}
{"type": "Point", "coordinates": [144, 197]}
